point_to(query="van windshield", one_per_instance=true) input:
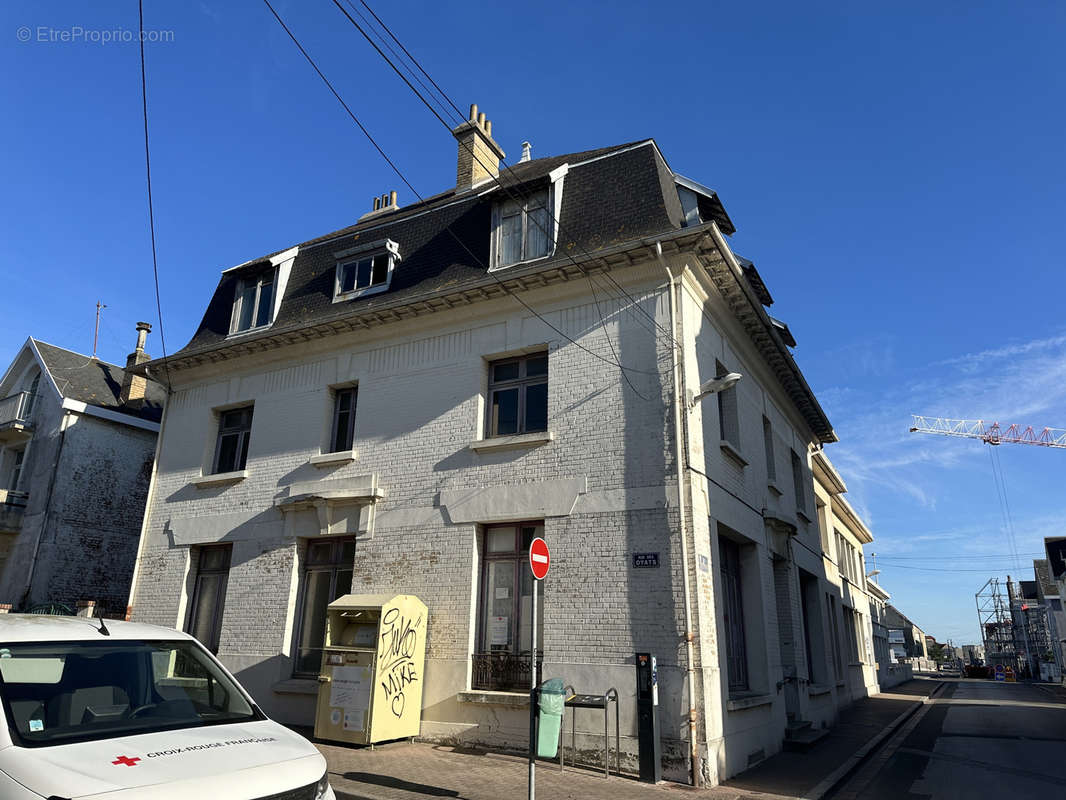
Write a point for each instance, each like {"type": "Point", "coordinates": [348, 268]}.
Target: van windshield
{"type": "Point", "coordinates": [62, 692]}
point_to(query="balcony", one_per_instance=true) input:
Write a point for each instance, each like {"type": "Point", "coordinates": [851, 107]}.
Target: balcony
{"type": "Point", "coordinates": [502, 671]}
{"type": "Point", "coordinates": [15, 412]}
{"type": "Point", "coordinates": [12, 510]}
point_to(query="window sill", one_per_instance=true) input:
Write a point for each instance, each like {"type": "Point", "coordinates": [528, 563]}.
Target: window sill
{"type": "Point", "coordinates": [485, 697]}
{"type": "Point", "coordinates": [220, 478]}
{"type": "Point", "coordinates": [378, 288]}
{"type": "Point", "coordinates": [511, 442]}
{"type": "Point", "coordinates": [248, 331]}
{"type": "Point", "coordinates": [742, 702]}
{"type": "Point", "coordinates": [733, 454]}
{"type": "Point", "coordinates": [803, 515]}
{"type": "Point", "coordinates": [333, 459]}
{"type": "Point", "coordinates": [773, 488]}
{"type": "Point", "coordinates": [814, 690]}
{"type": "Point", "coordinates": [296, 686]}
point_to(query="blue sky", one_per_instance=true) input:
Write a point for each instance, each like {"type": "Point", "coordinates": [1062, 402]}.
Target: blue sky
{"type": "Point", "coordinates": [894, 170]}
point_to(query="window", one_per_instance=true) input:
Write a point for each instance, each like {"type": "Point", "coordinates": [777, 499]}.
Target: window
{"type": "Point", "coordinates": [733, 614]}
{"type": "Point", "coordinates": [812, 627]}
{"type": "Point", "coordinates": [505, 601]}
{"type": "Point", "coordinates": [16, 469]}
{"type": "Point", "coordinates": [327, 575]}
{"type": "Point", "coordinates": [518, 395]}
{"type": "Point", "coordinates": [1056, 605]}
{"type": "Point", "coordinates": [343, 432]}
{"type": "Point", "coordinates": [521, 229]}
{"type": "Point", "coordinates": [253, 303]}
{"type": "Point", "coordinates": [798, 483]}
{"type": "Point", "coordinates": [834, 627]}
{"type": "Point", "coordinates": [823, 525]}
{"type": "Point", "coordinates": [366, 269]}
{"type": "Point", "coordinates": [209, 595]}
{"type": "Point", "coordinates": [728, 416]}
{"type": "Point", "coordinates": [768, 443]}
{"type": "Point", "coordinates": [234, 431]}
{"type": "Point", "coordinates": [851, 636]}
{"type": "Point", "coordinates": [31, 397]}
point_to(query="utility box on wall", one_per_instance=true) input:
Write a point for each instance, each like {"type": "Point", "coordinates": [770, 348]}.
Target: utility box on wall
{"type": "Point", "coordinates": [370, 683]}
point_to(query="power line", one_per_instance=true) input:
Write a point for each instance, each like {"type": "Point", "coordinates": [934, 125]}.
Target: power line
{"type": "Point", "coordinates": [986, 570]}
{"type": "Point", "coordinates": [148, 175]}
{"type": "Point", "coordinates": [407, 183]}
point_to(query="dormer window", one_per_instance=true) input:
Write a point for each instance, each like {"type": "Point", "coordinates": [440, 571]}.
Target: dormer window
{"type": "Point", "coordinates": [253, 303]}
{"type": "Point", "coordinates": [366, 269]}
{"type": "Point", "coordinates": [521, 229]}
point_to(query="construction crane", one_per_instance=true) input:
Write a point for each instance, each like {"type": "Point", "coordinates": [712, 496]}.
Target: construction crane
{"type": "Point", "coordinates": [989, 432]}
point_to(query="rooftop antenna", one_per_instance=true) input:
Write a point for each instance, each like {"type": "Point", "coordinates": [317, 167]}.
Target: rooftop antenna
{"type": "Point", "coordinates": [96, 333]}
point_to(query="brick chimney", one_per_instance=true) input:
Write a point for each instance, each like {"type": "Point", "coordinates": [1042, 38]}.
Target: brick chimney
{"type": "Point", "coordinates": [134, 386]}
{"type": "Point", "coordinates": [479, 155]}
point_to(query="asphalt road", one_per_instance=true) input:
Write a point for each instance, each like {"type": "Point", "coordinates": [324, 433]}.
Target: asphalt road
{"type": "Point", "coordinates": [973, 740]}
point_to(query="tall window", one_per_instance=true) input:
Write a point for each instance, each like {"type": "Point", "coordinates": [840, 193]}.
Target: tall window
{"type": "Point", "coordinates": [253, 303]}
{"type": "Point", "coordinates": [327, 575]}
{"type": "Point", "coordinates": [733, 596]}
{"type": "Point", "coordinates": [505, 600]}
{"type": "Point", "coordinates": [521, 229]}
{"type": "Point", "coordinates": [798, 484]}
{"type": "Point", "coordinates": [209, 595]}
{"type": "Point", "coordinates": [234, 431]}
{"type": "Point", "coordinates": [768, 443]}
{"type": "Point", "coordinates": [728, 413]}
{"type": "Point", "coordinates": [343, 432]}
{"type": "Point", "coordinates": [18, 457]}
{"type": "Point", "coordinates": [518, 395]}
{"type": "Point", "coordinates": [834, 629]}
{"type": "Point", "coordinates": [31, 398]}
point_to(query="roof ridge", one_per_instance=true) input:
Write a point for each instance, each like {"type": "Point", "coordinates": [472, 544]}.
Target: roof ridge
{"type": "Point", "coordinates": [76, 353]}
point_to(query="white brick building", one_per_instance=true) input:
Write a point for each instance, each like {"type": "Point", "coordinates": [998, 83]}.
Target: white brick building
{"type": "Point", "coordinates": [400, 405]}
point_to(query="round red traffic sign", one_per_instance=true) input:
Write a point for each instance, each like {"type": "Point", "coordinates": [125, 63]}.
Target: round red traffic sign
{"type": "Point", "coordinates": [539, 559]}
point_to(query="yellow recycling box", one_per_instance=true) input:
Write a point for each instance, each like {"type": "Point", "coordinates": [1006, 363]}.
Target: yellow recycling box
{"type": "Point", "coordinates": [370, 686]}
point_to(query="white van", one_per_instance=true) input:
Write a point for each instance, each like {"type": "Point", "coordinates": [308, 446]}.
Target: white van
{"type": "Point", "coordinates": [122, 711]}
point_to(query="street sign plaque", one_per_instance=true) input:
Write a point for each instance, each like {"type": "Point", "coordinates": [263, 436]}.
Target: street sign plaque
{"type": "Point", "coordinates": [539, 558]}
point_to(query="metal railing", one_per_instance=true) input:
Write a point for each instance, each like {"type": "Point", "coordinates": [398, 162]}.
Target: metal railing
{"type": "Point", "coordinates": [16, 408]}
{"type": "Point", "coordinates": [499, 671]}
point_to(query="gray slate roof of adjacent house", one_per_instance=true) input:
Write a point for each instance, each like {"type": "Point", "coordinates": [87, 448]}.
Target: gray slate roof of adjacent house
{"type": "Point", "coordinates": [97, 383]}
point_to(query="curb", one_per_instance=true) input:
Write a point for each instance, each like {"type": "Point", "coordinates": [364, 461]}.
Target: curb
{"type": "Point", "coordinates": [844, 771]}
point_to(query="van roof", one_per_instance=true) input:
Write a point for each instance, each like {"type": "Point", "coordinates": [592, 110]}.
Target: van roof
{"type": "Point", "coordinates": [47, 628]}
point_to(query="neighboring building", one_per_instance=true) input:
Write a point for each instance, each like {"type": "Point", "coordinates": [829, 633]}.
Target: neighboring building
{"type": "Point", "coordinates": [1035, 628]}
{"type": "Point", "coordinates": [399, 406]}
{"type": "Point", "coordinates": [973, 655]}
{"type": "Point", "coordinates": [1049, 595]}
{"type": "Point", "coordinates": [890, 672]}
{"type": "Point", "coordinates": [77, 437]}
{"type": "Point", "coordinates": [906, 640]}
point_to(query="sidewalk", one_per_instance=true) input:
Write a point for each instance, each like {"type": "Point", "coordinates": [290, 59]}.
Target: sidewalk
{"type": "Point", "coordinates": [403, 771]}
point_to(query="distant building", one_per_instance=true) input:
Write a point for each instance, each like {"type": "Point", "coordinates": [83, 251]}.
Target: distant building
{"type": "Point", "coordinates": [1051, 586]}
{"type": "Point", "coordinates": [906, 640]}
{"type": "Point", "coordinates": [77, 437]}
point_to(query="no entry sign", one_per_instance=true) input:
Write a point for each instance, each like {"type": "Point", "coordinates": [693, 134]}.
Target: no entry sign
{"type": "Point", "coordinates": [539, 560]}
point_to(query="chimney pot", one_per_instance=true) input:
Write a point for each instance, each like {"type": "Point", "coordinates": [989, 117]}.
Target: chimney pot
{"type": "Point", "coordinates": [481, 119]}
{"type": "Point", "coordinates": [488, 127]}
{"type": "Point", "coordinates": [473, 111]}
{"type": "Point", "coordinates": [527, 149]}
{"type": "Point", "coordinates": [392, 197]}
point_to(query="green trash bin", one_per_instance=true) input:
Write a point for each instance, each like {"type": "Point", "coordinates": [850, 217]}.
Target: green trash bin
{"type": "Point", "coordinates": [550, 717]}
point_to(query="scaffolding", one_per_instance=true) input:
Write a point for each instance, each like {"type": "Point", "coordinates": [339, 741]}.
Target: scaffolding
{"type": "Point", "coordinates": [997, 624]}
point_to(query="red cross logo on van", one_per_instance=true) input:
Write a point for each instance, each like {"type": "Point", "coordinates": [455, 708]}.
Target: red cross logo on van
{"type": "Point", "coordinates": [129, 762]}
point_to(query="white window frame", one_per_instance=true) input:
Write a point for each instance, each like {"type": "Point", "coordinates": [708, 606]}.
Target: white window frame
{"type": "Point", "coordinates": [238, 300]}
{"type": "Point", "coordinates": [367, 252]}
{"type": "Point", "coordinates": [244, 437]}
{"type": "Point", "coordinates": [524, 207]}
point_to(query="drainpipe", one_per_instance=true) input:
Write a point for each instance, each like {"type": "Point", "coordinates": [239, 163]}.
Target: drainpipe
{"type": "Point", "coordinates": [678, 397]}
{"type": "Point", "coordinates": [63, 425]}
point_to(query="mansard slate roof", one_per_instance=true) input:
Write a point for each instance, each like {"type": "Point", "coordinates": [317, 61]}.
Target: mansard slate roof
{"type": "Point", "coordinates": [612, 199]}
{"type": "Point", "coordinates": [96, 383]}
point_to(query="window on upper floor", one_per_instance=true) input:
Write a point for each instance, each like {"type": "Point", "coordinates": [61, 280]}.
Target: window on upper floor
{"type": "Point", "coordinates": [253, 302]}
{"type": "Point", "coordinates": [518, 395]}
{"type": "Point", "coordinates": [342, 434]}
{"type": "Point", "coordinates": [768, 443]}
{"type": "Point", "coordinates": [799, 484]}
{"type": "Point", "coordinates": [366, 269]}
{"type": "Point", "coordinates": [231, 446]}
{"type": "Point", "coordinates": [521, 229]}
{"type": "Point", "coordinates": [15, 459]}
{"type": "Point", "coordinates": [728, 412]}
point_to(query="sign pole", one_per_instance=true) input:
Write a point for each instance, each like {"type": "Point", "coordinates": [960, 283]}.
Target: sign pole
{"type": "Point", "coordinates": [533, 696]}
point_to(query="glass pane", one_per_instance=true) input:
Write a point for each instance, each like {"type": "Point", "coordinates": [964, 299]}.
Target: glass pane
{"type": "Point", "coordinates": [313, 621]}
{"type": "Point", "coordinates": [525, 611]}
{"type": "Point", "coordinates": [247, 306]}
{"type": "Point", "coordinates": [266, 302]}
{"type": "Point", "coordinates": [242, 461]}
{"type": "Point", "coordinates": [507, 371]}
{"type": "Point", "coordinates": [208, 610]}
{"type": "Point", "coordinates": [320, 552]}
{"type": "Point", "coordinates": [342, 427]}
{"type": "Point", "coordinates": [381, 269]}
{"type": "Point", "coordinates": [362, 273]}
{"type": "Point", "coordinates": [227, 452]}
{"type": "Point", "coordinates": [212, 558]}
{"type": "Point", "coordinates": [529, 533]}
{"type": "Point", "coordinates": [537, 233]}
{"type": "Point", "coordinates": [504, 412]}
{"type": "Point", "coordinates": [347, 277]}
{"type": "Point", "coordinates": [537, 365]}
{"type": "Point", "coordinates": [348, 554]}
{"type": "Point", "coordinates": [344, 583]}
{"type": "Point", "coordinates": [499, 540]}
{"type": "Point", "coordinates": [497, 626]}
{"type": "Point", "coordinates": [511, 239]}
{"type": "Point", "coordinates": [537, 407]}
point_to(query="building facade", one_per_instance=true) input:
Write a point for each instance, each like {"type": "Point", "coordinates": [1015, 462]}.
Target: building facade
{"type": "Point", "coordinates": [400, 406]}
{"type": "Point", "coordinates": [77, 440]}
